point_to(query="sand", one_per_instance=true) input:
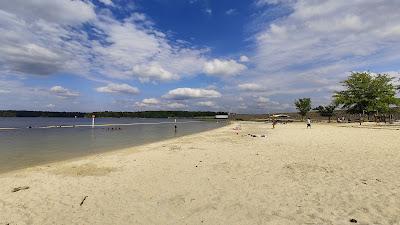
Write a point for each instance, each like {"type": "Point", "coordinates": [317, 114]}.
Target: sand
{"type": "Point", "coordinates": [325, 175]}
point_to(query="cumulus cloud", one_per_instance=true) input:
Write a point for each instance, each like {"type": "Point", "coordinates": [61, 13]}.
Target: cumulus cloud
{"type": "Point", "coordinates": [266, 103]}
{"type": "Point", "coordinates": [63, 92]}
{"type": "Point", "coordinates": [63, 12]}
{"type": "Point", "coordinates": [175, 105]}
{"type": "Point", "coordinates": [107, 2]}
{"type": "Point", "coordinates": [118, 88]}
{"type": "Point", "coordinates": [327, 32]}
{"type": "Point", "coordinates": [14, 94]}
{"type": "Point", "coordinates": [34, 34]}
{"type": "Point", "coordinates": [263, 99]}
{"type": "Point", "coordinates": [153, 72]}
{"type": "Point", "coordinates": [223, 67]}
{"type": "Point", "coordinates": [210, 104]}
{"type": "Point", "coordinates": [250, 87]}
{"type": "Point", "coordinates": [244, 59]}
{"type": "Point", "coordinates": [153, 103]}
{"type": "Point", "coordinates": [46, 37]}
{"type": "Point", "coordinates": [331, 38]}
{"type": "Point", "coordinates": [148, 102]}
{"type": "Point", "coordinates": [191, 93]}
{"type": "Point", "coordinates": [31, 58]}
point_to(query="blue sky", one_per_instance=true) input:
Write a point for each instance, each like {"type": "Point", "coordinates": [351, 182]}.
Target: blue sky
{"type": "Point", "coordinates": [251, 56]}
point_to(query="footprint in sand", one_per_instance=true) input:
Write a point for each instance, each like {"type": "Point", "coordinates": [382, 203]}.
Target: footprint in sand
{"type": "Point", "coordinates": [299, 171]}
{"type": "Point", "coordinates": [175, 148]}
{"type": "Point", "coordinates": [88, 169]}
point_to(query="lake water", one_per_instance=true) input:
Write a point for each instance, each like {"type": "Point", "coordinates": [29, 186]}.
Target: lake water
{"type": "Point", "coordinates": [46, 141]}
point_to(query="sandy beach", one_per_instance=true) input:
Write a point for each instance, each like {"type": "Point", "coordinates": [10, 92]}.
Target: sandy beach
{"type": "Point", "coordinates": [329, 174]}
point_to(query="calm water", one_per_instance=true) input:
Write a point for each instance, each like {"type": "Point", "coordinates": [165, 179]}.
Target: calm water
{"type": "Point", "coordinates": [24, 147]}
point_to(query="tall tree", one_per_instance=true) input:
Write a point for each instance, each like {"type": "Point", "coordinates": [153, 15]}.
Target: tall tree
{"type": "Point", "coordinates": [326, 111]}
{"type": "Point", "coordinates": [303, 105]}
{"type": "Point", "coordinates": [365, 92]}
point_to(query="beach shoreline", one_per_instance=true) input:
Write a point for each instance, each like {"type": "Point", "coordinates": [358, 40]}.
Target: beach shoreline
{"type": "Point", "coordinates": [324, 175]}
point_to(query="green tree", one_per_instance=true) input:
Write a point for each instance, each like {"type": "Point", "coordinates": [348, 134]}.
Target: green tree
{"type": "Point", "coordinates": [303, 105]}
{"type": "Point", "coordinates": [326, 111]}
{"type": "Point", "coordinates": [365, 92]}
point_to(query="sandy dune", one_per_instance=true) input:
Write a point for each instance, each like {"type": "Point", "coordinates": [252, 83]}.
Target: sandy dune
{"type": "Point", "coordinates": [326, 175]}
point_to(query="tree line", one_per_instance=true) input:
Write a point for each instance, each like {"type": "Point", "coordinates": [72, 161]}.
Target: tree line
{"type": "Point", "coordinates": [157, 114]}
{"type": "Point", "coordinates": [141, 114]}
{"type": "Point", "coordinates": [25, 113]}
{"type": "Point", "coordinates": [363, 93]}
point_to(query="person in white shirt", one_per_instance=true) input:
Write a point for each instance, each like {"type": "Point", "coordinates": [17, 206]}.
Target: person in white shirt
{"type": "Point", "coordinates": [308, 123]}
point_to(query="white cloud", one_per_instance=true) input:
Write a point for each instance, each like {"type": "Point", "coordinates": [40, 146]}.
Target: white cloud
{"type": "Point", "coordinates": [14, 94]}
{"type": "Point", "coordinates": [31, 58]}
{"type": "Point", "coordinates": [54, 11]}
{"type": "Point", "coordinates": [267, 103]}
{"type": "Point", "coordinates": [107, 2]}
{"type": "Point", "coordinates": [34, 33]}
{"type": "Point", "coordinates": [244, 59]}
{"type": "Point", "coordinates": [314, 46]}
{"type": "Point", "coordinates": [210, 104]}
{"type": "Point", "coordinates": [175, 105]}
{"type": "Point", "coordinates": [153, 72]}
{"type": "Point", "coordinates": [189, 93]}
{"type": "Point", "coordinates": [155, 56]}
{"type": "Point", "coordinates": [395, 75]}
{"type": "Point", "coordinates": [250, 87]}
{"type": "Point", "coordinates": [223, 67]}
{"type": "Point", "coordinates": [46, 37]}
{"type": "Point", "coordinates": [118, 88]}
{"type": "Point", "coordinates": [208, 11]}
{"type": "Point", "coordinates": [328, 32]}
{"type": "Point", "coordinates": [151, 101]}
{"type": "Point", "coordinates": [63, 92]}
{"type": "Point", "coordinates": [263, 99]}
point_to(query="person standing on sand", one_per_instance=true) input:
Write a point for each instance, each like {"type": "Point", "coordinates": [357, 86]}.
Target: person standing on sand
{"type": "Point", "coordinates": [308, 123]}
{"type": "Point", "coordinates": [273, 124]}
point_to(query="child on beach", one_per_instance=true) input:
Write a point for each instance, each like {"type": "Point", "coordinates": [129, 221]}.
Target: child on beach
{"type": "Point", "coordinates": [308, 123]}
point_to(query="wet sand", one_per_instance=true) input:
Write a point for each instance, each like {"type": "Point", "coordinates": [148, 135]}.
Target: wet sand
{"type": "Point", "coordinates": [329, 174]}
